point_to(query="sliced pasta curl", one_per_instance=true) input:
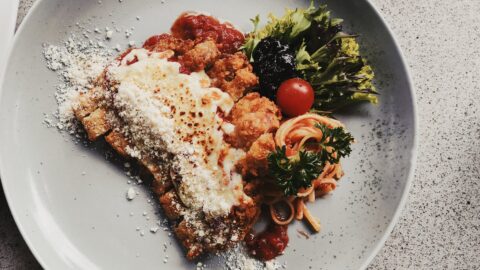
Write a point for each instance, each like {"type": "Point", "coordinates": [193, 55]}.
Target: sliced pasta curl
{"type": "Point", "coordinates": [276, 217]}
{"type": "Point", "coordinates": [294, 134]}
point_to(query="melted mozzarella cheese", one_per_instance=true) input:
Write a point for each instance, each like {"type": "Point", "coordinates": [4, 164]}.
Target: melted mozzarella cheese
{"type": "Point", "coordinates": [165, 110]}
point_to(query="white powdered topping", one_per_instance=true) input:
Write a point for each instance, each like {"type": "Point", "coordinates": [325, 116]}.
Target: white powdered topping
{"type": "Point", "coordinates": [236, 259]}
{"type": "Point", "coordinates": [131, 194]}
{"type": "Point", "coordinates": [271, 265]}
{"type": "Point", "coordinates": [167, 111]}
{"type": "Point", "coordinates": [78, 63]}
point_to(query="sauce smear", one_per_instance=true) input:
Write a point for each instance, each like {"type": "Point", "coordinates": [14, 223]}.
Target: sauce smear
{"type": "Point", "coordinates": [202, 27]}
{"type": "Point", "coordinates": [269, 243]}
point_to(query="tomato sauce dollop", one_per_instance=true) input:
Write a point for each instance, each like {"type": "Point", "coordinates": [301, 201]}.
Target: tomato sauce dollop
{"type": "Point", "coordinates": [269, 243]}
{"type": "Point", "coordinates": [202, 27]}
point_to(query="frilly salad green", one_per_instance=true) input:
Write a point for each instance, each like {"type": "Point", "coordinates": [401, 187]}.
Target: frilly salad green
{"type": "Point", "coordinates": [326, 57]}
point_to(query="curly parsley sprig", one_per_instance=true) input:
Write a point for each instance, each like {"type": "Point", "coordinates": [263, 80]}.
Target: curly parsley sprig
{"type": "Point", "coordinates": [293, 173]}
{"type": "Point", "coordinates": [298, 171]}
{"type": "Point", "coordinates": [334, 144]}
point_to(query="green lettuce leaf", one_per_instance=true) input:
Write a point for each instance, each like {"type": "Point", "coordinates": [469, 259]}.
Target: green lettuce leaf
{"type": "Point", "coordinates": [326, 56]}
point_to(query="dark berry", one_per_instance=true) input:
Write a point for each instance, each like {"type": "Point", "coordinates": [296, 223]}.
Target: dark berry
{"type": "Point", "coordinates": [274, 62]}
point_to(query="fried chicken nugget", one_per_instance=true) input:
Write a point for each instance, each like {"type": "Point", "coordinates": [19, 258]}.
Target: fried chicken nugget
{"type": "Point", "coordinates": [201, 56]}
{"type": "Point", "coordinates": [253, 116]}
{"type": "Point", "coordinates": [256, 162]}
{"type": "Point", "coordinates": [233, 74]}
{"type": "Point", "coordinates": [163, 42]}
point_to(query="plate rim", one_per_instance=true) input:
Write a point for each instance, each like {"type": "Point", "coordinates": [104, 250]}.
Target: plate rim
{"type": "Point", "coordinates": [398, 211]}
{"type": "Point", "coordinates": [413, 159]}
{"type": "Point", "coordinates": [10, 35]}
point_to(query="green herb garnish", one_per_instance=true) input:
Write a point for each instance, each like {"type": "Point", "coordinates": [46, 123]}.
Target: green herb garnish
{"type": "Point", "coordinates": [334, 144]}
{"type": "Point", "coordinates": [293, 173]}
{"type": "Point", "coordinates": [298, 171]}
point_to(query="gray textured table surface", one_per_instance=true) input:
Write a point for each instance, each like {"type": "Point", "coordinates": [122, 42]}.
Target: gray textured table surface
{"type": "Point", "coordinates": [440, 226]}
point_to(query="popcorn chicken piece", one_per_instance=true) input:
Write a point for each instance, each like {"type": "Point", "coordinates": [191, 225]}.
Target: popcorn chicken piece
{"type": "Point", "coordinates": [201, 56]}
{"type": "Point", "coordinates": [163, 42]}
{"type": "Point", "coordinates": [253, 116]}
{"type": "Point", "coordinates": [96, 124]}
{"type": "Point", "coordinates": [233, 74]}
{"type": "Point", "coordinates": [244, 79]}
{"type": "Point", "coordinates": [256, 158]}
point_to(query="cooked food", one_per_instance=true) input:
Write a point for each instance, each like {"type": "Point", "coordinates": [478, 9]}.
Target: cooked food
{"type": "Point", "coordinates": [325, 56]}
{"type": "Point", "coordinates": [233, 74]}
{"type": "Point", "coordinates": [256, 158]}
{"type": "Point", "coordinates": [251, 117]}
{"type": "Point", "coordinates": [224, 124]}
{"type": "Point", "coordinates": [163, 42]}
{"type": "Point", "coordinates": [295, 97]}
{"type": "Point", "coordinates": [200, 27]}
{"type": "Point", "coordinates": [274, 62]}
{"type": "Point", "coordinates": [157, 105]}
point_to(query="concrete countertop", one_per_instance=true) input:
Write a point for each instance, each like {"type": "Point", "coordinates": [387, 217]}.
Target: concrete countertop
{"type": "Point", "coordinates": [440, 225]}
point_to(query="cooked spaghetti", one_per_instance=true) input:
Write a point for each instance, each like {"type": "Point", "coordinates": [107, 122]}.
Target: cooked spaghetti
{"type": "Point", "coordinates": [295, 135]}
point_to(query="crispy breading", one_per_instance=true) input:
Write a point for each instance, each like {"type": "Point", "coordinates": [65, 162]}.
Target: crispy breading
{"type": "Point", "coordinates": [233, 74]}
{"type": "Point", "coordinates": [163, 42]}
{"type": "Point", "coordinates": [171, 205]}
{"type": "Point", "coordinates": [253, 116]}
{"type": "Point", "coordinates": [96, 124]}
{"type": "Point", "coordinates": [245, 215]}
{"type": "Point", "coordinates": [201, 56]}
{"type": "Point", "coordinates": [252, 189]}
{"type": "Point", "coordinates": [256, 163]}
{"type": "Point", "coordinates": [84, 106]}
{"type": "Point", "coordinates": [187, 237]}
{"type": "Point", "coordinates": [160, 186]}
{"type": "Point", "coordinates": [160, 182]}
{"type": "Point", "coordinates": [118, 142]}
{"type": "Point", "coordinates": [88, 102]}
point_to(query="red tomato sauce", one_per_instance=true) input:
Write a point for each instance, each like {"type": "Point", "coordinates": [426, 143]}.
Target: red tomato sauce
{"type": "Point", "coordinates": [202, 27]}
{"type": "Point", "coordinates": [269, 243]}
{"type": "Point", "coordinates": [124, 54]}
{"type": "Point", "coordinates": [153, 40]}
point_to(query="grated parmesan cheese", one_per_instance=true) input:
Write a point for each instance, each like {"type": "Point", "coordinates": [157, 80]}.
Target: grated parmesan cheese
{"type": "Point", "coordinates": [108, 34]}
{"type": "Point", "coordinates": [131, 194]}
{"type": "Point", "coordinates": [235, 259]}
{"type": "Point", "coordinates": [78, 63]}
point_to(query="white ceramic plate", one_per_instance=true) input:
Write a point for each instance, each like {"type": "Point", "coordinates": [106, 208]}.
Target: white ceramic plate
{"type": "Point", "coordinates": [8, 17]}
{"type": "Point", "coordinates": [75, 221]}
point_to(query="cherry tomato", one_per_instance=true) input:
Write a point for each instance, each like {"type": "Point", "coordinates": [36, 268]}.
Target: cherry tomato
{"type": "Point", "coordinates": [295, 97]}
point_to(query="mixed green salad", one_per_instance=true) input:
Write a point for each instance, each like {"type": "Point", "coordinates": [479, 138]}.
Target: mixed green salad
{"type": "Point", "coordinates": [311, 44]}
